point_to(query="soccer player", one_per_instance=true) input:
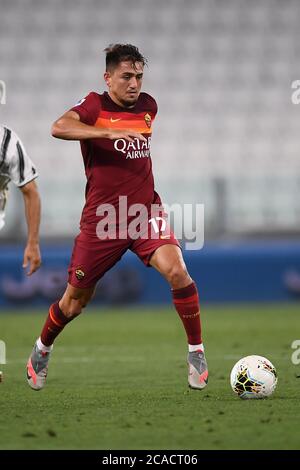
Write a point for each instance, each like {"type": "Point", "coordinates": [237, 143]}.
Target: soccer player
{"type": "Point", "coordinates": [114, 129]}
{"type": "Point", "coordinates": [16, 166]}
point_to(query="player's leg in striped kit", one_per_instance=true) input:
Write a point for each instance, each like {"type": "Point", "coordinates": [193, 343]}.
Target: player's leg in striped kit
{"type": "Point", "coordinates": [60, 313]}
{"type": "Point", "coordinates": [167, 259]}
{"type": "Point", "coordinates": [186, 302]}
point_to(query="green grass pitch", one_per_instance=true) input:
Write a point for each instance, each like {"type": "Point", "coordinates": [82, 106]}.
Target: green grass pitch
{"type": "Point", "coordinates": [118, 380]}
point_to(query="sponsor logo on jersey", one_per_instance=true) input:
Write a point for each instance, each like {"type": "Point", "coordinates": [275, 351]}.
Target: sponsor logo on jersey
{"type": "Point", "coordinates": [115, 120]}
{"type": "Point", "coordinates": [147, 118]}
{"type": "Point", "coordinates": [135, 149]}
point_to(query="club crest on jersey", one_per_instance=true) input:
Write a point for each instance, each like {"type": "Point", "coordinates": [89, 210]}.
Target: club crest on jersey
{"type": "Point", "coordinates": [79, 274]}
{"type": "Point", "coordinates": [147, 118]}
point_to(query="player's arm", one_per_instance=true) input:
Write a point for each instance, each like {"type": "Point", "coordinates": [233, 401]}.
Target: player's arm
{"type": "Point", "coordinates": [32, 204]}
{"type": "Point", "coordinates": [69, 127]}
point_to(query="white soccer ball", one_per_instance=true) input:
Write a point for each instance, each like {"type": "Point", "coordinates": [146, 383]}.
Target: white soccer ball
{"type": "Point", "coordinates": [253, 377]}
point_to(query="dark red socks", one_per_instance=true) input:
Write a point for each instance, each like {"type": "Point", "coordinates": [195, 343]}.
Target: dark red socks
{"type": "Point", "coordinates": [186, 302]}
{"type": "Point", "coordinates": [54, 324]}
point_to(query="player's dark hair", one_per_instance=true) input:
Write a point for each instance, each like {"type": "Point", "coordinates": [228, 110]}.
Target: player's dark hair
{"type": "Point", "coordinates": [116, 53]}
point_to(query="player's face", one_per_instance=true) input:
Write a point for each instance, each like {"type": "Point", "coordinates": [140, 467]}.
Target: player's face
{"type": "Point", "coordinates": [124, 83]}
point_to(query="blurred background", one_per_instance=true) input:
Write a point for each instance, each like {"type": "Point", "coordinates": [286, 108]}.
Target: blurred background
{"type": "Point", "coordinates": [227, 136]}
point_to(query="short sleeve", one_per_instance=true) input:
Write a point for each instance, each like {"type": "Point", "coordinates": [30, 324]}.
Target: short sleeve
{"type": "Point", "coordinates": [155, 107]}
{"type": "Point", "coordinates": [152, 104]}
{"type": "Point", "coordinates": [88, 108]}
{"type": "Point", "coordinates": [21, 168]}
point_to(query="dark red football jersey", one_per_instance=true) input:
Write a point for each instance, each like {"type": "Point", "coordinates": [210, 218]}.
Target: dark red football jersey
{"type": "Point", "coordinates": [116, 167]}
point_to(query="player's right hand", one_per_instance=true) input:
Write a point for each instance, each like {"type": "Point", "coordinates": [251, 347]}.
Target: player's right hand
{"type": "Point", "coordinates": [32, 257]}
{"type": "Point", "coordinates": [126, 134]}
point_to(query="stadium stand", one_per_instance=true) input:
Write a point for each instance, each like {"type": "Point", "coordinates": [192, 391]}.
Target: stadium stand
{"type": "Point", "coordinates": [227, 133]}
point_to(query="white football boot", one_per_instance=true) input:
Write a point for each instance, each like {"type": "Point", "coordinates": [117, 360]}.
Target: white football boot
{"type": "Point", "coordinates": [37, 368]}
{"type": "Point", "coordinates": [198, 373]}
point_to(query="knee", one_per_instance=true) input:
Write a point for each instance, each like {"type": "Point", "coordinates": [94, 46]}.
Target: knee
{"type": "Point", "coordinates": [72, 307]}
{"type": "Point", "coordinates": [178, 276]}
{"type": "Point", "coordinates": [76, 307]}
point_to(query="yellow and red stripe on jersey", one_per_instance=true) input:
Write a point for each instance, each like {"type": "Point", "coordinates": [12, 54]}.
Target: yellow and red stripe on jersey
{"type": "Point", "coordinates": [140, 122]}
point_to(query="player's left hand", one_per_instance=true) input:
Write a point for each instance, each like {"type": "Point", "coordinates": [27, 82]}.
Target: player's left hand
{"type": "Point", "coordinates": [32, 257]}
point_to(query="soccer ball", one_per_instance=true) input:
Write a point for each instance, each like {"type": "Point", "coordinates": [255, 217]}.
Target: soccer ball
{"type": "Point", "coordinates": [253, 377]}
